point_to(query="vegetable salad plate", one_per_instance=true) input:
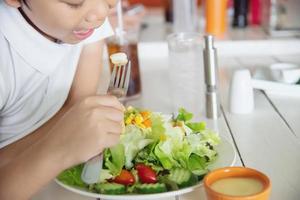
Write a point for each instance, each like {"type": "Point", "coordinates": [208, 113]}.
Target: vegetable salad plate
{"type": "Point", "coordinates": [158, 156]}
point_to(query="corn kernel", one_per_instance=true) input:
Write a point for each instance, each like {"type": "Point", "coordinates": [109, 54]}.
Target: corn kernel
{"type": "Point", "coordinates": [142, 126]}
{"type": "Point", "coordinates": [138, 119]}
{"type": "Point", "coordinates": [129, 119]}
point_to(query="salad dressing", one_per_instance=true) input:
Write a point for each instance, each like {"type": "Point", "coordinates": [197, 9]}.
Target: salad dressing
{"type": "Point", "coordinates": [241, 186]}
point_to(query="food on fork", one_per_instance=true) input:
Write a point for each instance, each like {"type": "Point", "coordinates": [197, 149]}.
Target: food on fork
{"type": "Point", "coordinates": [120, 75]}
{"type": "Point", "coordinates": [119, 59]}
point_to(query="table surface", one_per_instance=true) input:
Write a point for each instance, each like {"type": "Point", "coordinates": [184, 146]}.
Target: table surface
{"type": "Point", "coordinates": [267, 139]}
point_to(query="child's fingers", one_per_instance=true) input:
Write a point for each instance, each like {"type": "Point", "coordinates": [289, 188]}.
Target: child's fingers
{"type": "Point", "coordinates": [108, 113]}
{"type": "Point", "coordinates": [111, 127]}
{"type": "Point", "coordinates": [104, 100]}
{"type": "Point", "coordinates": [112, 140]}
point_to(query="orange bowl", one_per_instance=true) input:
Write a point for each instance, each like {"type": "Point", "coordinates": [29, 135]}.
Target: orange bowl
{"type": "Point", "coordinates": [236, 172]}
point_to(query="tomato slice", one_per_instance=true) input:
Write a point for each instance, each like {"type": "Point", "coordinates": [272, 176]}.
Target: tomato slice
{"type": "Point", "coordinates": [146, 173]}
{"type": "Point", "coordinates": [125, 178]}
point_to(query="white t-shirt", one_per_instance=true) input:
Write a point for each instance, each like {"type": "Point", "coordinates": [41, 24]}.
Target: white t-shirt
{"type": "Point", "coordinates": [35, 74]}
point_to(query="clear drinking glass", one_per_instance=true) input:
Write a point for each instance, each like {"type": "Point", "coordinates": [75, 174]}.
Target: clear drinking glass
{"type": "Point", "coordinates": [186, 71]}
{"type": "Point", "coordinates": [185, 15]}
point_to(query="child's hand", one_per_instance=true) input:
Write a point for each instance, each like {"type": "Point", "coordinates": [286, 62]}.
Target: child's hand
{"type": "Point", "coordinates": [87, 128]}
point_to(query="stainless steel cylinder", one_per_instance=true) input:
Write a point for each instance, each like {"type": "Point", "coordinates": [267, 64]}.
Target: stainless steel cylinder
{"type": "Point", "coordinates": [211, 78]}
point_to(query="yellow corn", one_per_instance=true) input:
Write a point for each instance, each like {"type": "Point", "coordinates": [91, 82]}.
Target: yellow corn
{"type": "Point", "coordinates": [129, 119]}
{"type": "Point", "coordinates": [138, 119]}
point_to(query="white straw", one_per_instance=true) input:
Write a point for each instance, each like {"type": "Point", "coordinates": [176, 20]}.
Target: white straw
{"type": "Point", "coordinates": [120, 28]}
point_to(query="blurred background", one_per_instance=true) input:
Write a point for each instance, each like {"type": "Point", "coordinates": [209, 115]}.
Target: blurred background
{"type": "Point", "coordinates": [226, 19]}
{"type": "Point", "coordinates": [242, 28]}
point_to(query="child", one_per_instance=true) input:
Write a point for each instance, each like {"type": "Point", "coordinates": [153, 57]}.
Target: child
{"type": "Point", "coordinates": [50, 117]}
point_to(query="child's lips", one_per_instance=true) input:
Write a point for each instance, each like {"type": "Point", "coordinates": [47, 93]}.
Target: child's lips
{"type": "Point", "coordinates": [83, 34]}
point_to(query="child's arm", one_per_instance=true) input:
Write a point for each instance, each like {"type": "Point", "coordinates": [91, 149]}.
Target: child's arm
{"type": "Point", "coordinates": [85, 84]}
{"type": "Point", "coordinates": [85, 130]}
{"type": "Point", "coordinates": [42, 155]}
{"type": "Point", "coordinates": [88, 72]}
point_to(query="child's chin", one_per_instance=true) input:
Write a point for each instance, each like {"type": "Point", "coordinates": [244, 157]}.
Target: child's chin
{"type": "Point", "coordinates": [71, 41]}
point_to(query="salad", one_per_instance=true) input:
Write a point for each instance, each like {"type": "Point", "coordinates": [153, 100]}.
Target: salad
{"type": "Point", "coordinates": [156, 153]}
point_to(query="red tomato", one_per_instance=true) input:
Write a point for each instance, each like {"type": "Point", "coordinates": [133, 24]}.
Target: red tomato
{"type": "Point", "coordinates": [146, 173]}
{"type": "Point", "coordinates": [125, 178]}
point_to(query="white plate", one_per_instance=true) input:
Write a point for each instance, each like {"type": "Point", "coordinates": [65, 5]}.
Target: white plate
{"type": "Point", "coordinates": [227, 157]}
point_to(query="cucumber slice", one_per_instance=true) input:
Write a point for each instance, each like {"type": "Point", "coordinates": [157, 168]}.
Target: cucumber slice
{"type": "Point", "coordinates": [150, 188]}
{"type": "Point", "coordinates": [182, 177]}
{"type": "Point", "coordinates": [110, 188]}
{"type": "Point", "coordinates": [201, 177]}
{"type": "Point", "coordinates": [171, 185]}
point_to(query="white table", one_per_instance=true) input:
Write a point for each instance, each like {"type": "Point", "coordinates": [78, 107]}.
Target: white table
{"type": "Point", "coordinates": [268, 139]}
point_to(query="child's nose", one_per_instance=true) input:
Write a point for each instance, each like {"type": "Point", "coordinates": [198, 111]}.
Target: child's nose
{"type": "Point", "coordinates": [97, 14]}
{"type": "Point", "coordinates": [91, 18]}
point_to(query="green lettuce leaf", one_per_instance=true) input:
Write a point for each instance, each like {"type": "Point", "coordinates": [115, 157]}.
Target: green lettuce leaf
{"type": "Point", "coordinates": [197, 164]}
{"type": "Point", "coordinates": [183, 115]}
{"type": "Point", "coordinates": [157, 129]}
{"type": "Point", "coordinates": [72, 176]}
{"type": "Point", "coordinates": [133, 140]}
{"type": "Point", "coordinates": [202, 147]}
{"type": "Point", "coordinates": [163, 152]}
{"type": "Point", "coordinates": [210, 137]}
{"type": "Point", "coordinates": [105, 175]}
{"type": "Point", "coordinates": [147, 156]}
{"type": "Point", "coordinates": [181, 153]}
{"type": "Point", "coordinates": [115, 159]}
{"type": "Point", "coordinates": [196, 126]}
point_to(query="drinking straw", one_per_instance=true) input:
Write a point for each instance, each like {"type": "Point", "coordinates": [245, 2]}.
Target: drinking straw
{"type": "Point", "coordinates": [120, 27]}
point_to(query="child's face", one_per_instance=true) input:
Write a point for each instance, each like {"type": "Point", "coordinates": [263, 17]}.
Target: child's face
{"type": "Point", "coordinates": [68, 20]}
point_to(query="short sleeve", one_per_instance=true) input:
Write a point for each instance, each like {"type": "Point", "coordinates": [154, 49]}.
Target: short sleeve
{"type": "Point", "coordinates": [3, 92]}
{"type": "Point", "coordinates": [104, 31]}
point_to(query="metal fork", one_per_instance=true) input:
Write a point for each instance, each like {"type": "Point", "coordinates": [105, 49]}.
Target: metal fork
{"type": "Point", "coordinates": [118, 86]}
{"type": "Point", "coordinates": [119, 81]}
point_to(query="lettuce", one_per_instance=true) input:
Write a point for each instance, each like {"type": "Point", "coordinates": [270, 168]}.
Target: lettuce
{"type": "Point", "coordinates": [105, 175]}
{"type": "Point", "coordinates": [148, 157]}
{"type": "Point", "coordinates": [133, 140]}
{"type": "Point", "coordinates": [160, 141]}
{"type": "Point", "coordinates": [197, 127]}
{"type": "Point", "coordinates": [115, 159]}
{"type": "Point", "coordinates": [183, 115]}
{"type": "Point", "coordinates": [210, 137]}
{"type": "Point", "coordinates": [197, 164]}
{"type": "Point", "coordinates": [173, 151]}
{"type": "Point", "coordinates": [187, 144]}
{"type": "Point", "coordinates": [163, 152]}
{"type": "Point", "coordinates": [157, 129]}
{"type": "Point", "coordinates": [203, 147]}
{"type": "Point", "coordinates": [72, 176]}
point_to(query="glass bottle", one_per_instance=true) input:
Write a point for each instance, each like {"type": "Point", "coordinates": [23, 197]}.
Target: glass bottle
{"type": "Point", "coordinates": [240, 19]}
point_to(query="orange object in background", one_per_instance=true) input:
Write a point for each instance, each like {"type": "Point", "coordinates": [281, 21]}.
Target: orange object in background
{"type": "Point", "coordinates": [236, 172]}
{"type": "Point", "coordinates": [216, 17]}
